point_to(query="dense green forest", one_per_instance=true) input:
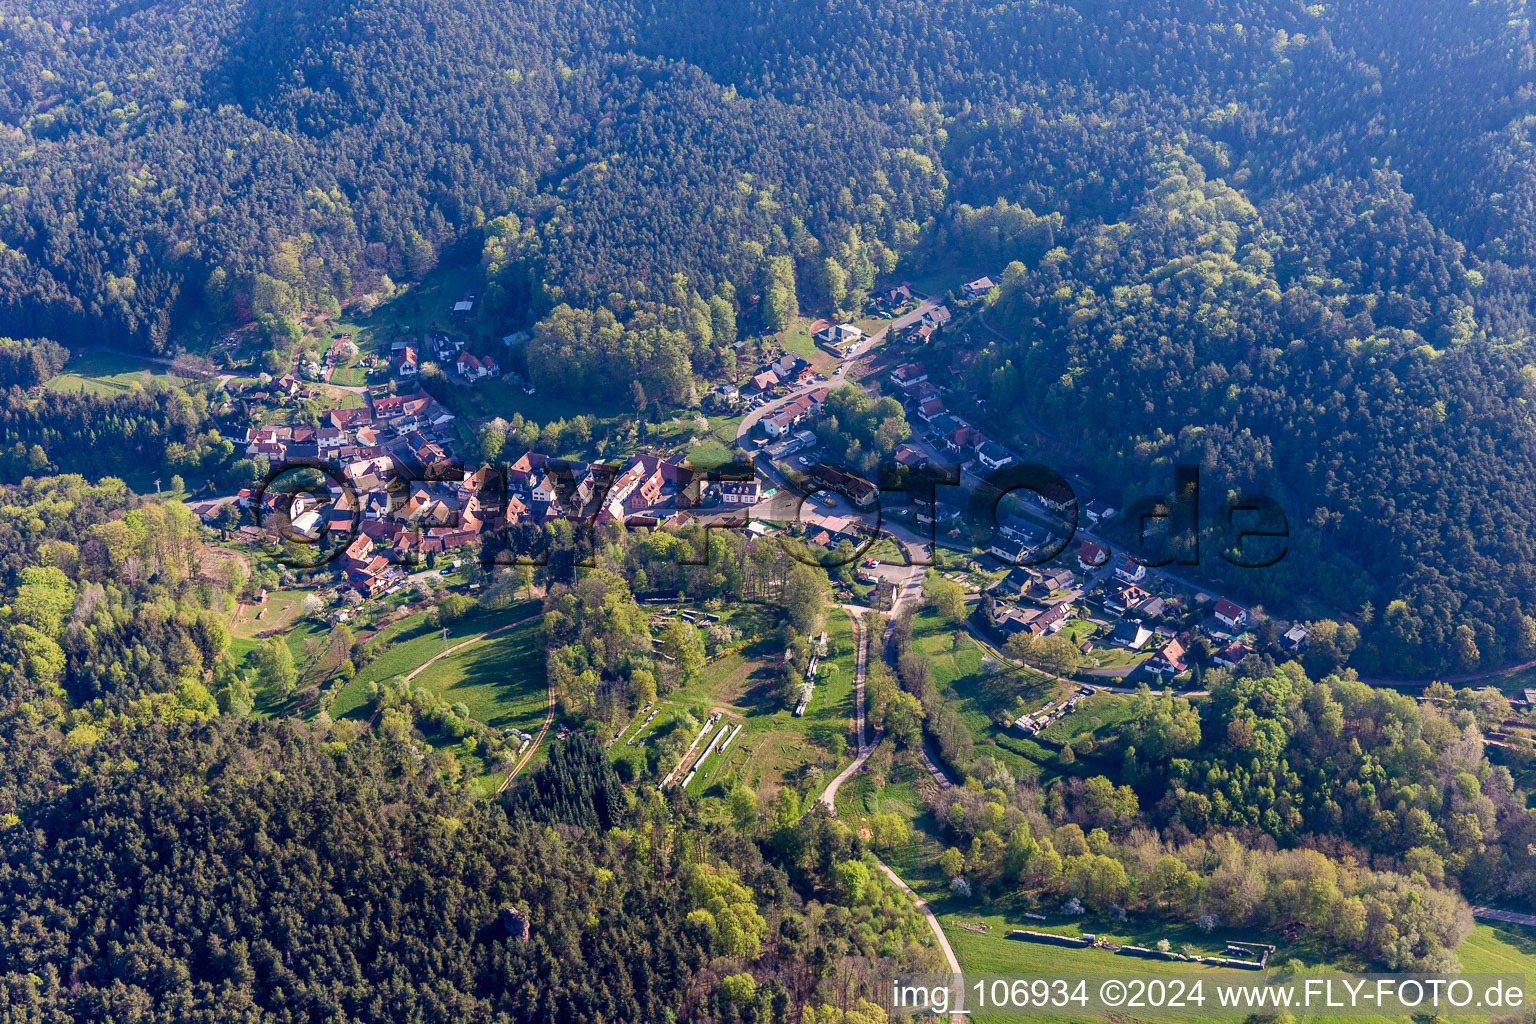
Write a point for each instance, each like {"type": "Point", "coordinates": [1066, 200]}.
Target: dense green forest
{"type": "Point", "coordinates": [166, 855]}
{"type": "Point", "coordinates": [1291, 243]}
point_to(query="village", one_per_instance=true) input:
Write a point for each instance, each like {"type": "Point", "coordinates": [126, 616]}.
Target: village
{"type": "Point", "coordinates": [402, 494]}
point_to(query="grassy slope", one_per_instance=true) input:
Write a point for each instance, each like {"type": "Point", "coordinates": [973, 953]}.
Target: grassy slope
{"type": "Point", "coordinates": [412, 643]}
{"type": "Point", "coordinates": [500, 679]}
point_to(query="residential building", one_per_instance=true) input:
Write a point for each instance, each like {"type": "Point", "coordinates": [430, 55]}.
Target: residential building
{"type": "Point", "coordinates": [1091, 556]}
{"type": "Point", "coordinates": [1230, 614]}
{"type": "Point", "coordinates": [977, 288]}
{"type": "Point", "coordinates": [993, 455]}
{"type": "Point", "coordinates": [1130, 634]}
{"type": "Point", "coordinates": [1169, 659]}
{"type": "Point", "coordinates": [1130, 570]}
{"type": "Point", "coordinates": [1231, 655]}
{"type": "Point", "coordinates": [407, 364]}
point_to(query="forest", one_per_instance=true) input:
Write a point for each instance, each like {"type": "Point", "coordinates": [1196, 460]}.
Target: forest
{"type": "Point", "coordinates": [1243, 235]}
{"type": "Point", "coordinates": [167, 855]}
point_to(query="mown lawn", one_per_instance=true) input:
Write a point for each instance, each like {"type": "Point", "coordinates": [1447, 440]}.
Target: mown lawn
{"type": "Point", "coordinates": [775, 748]}
{"type": "Point", "coordinates": [499, 679]}
{"type": "Point", "coordinates": [1503, 950]}
{"type": "Point", "coordinates": [982, 684]}
{"type": "Point", "coordinates": [411, 644]}
{"type": "Point", "coordinates": [108, 373]}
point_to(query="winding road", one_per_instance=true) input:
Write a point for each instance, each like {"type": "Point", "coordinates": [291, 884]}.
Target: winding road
{"type": "Point", "coordinates": [828, 798]}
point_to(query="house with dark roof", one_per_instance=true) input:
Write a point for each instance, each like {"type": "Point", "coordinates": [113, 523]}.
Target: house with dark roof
{"type": "Point", "coordinates": [1231, 614]}
{"type": "Point", "coordinates": [1130, 634]}
{"type": "Point", "coordinates": [1130, 570]}
{"type": "Point", "coordinates": [977, 288]}
{"type": "Point", "coordinates": [1231, 655]}
{"type": "Point", "coordinates": [993, 455]}
{"type": "Point", "coordinates": [1091, 556]}
{"type": "Point", "coordinates": [1295, 638]}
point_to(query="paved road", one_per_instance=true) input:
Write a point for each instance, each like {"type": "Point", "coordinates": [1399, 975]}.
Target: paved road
{"type": "Point", "coordinates": [938, 933]}
{"type": "Point", "coordinates": [1508, 916]}
{"type": "Point", "coordinates": [828, 798]}
{"type": "Point", "coordinates": [750, 420]}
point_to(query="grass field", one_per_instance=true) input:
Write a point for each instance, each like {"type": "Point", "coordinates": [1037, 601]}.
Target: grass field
{"type": "Point", "coordinates": [411, 645]}
{"type": "Point", "coordinates": [500, 679]}
{"type": "Point", "coordinates": [108, 373]}
{"type": "Point", "coordinates": [981, 685]}
{"type": "Point", "coordinates": [1498, 950]}
{"type": "Point", "coordinates": [774, 748]}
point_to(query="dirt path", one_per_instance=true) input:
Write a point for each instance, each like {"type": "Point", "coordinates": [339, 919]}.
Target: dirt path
{"type": "Point", "coordinates": [465, 643]}
{"type": "Point", "coordinates": [549, 717]}
{"type": "Point", "coordinates": [828, 798]}
{"type": "Point", "coordinates": [933, 922]}
{"type": "Point", "coordinates": [456, 647]}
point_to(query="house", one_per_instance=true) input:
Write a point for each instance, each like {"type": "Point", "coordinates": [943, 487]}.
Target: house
{"type": "Point", "coordinates": [908, 374]}
{"type": "Point", "coordinates": [1231, 655]}
{"type": "Point", "coordinates": [1231, 615]}
{"type": "Point", "coordinates": [1097, 511]}
{"type": "Point", "coordinates": [897, 297]}
{"type": "Point", "coordinates": [1168, 659]}
{"type": "Point", "coordinates": [910, 457]}
{"type": "Point", "coordinates": [937, 317]}
{"type": "Point", "coordinates": [1020, 530]}
{"type": "Point", "coordinates": [1125, 597]}
{"type": "Point", "coordinates": [1090, 556]}
{"type": "Point", "coordinates": [740, 492]}
{"type": "Point", "coordinates": [348, 419]}
{"type": "Point", "coordinates": [921, 334]}
{"type": "Point", "coordinates": [1051, 581]}
{"type": "Point", "coordinates": [993, 455]}
{"type": "Point", "coordinates": [1130, 634]}
{"type": "Point", "coordinates": [1130, 570]}
{"type": "Point", "coordinates": [788, 416]}
{"type": "Point", "coordinates": [402, 412]}
{"type": "Point", "coordinates": [977, 288]}
{"type": "Point", "coordinates": [464, 306]}
{"type": "Point", "coordinates": [839, 337]}
{"type": "Point", "coordinates": [964, 436]}
{"type": "Point", "coordinates": [407, 364]}
{"type": "Point", "coordinates": [1010, 552]}
{"type": "Point", "coordinates": [845, 482]}
{"type": "Point", "coordinates": [1036, 621]}
{"type": "Point", "coordinates": [526, 472]}
{"type": "Point", "coordinates": [473, 367]}
{"type": "Point", "coordinates": [1295, 638]}
{"type": "Point", "coordinates": [1056, 496]}
{"type": "Point", "coordinates": [929, 409]}
{"type": "Point", "coordinates": [1015, 583]}
{"type": "Point", "coordinates": [764, 382]}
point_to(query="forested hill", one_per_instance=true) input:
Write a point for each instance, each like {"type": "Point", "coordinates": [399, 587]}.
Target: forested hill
{"type": "Point", "coordinates": [1293, 242]}
{"type": "Point", "coordinates": [264, 154]}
